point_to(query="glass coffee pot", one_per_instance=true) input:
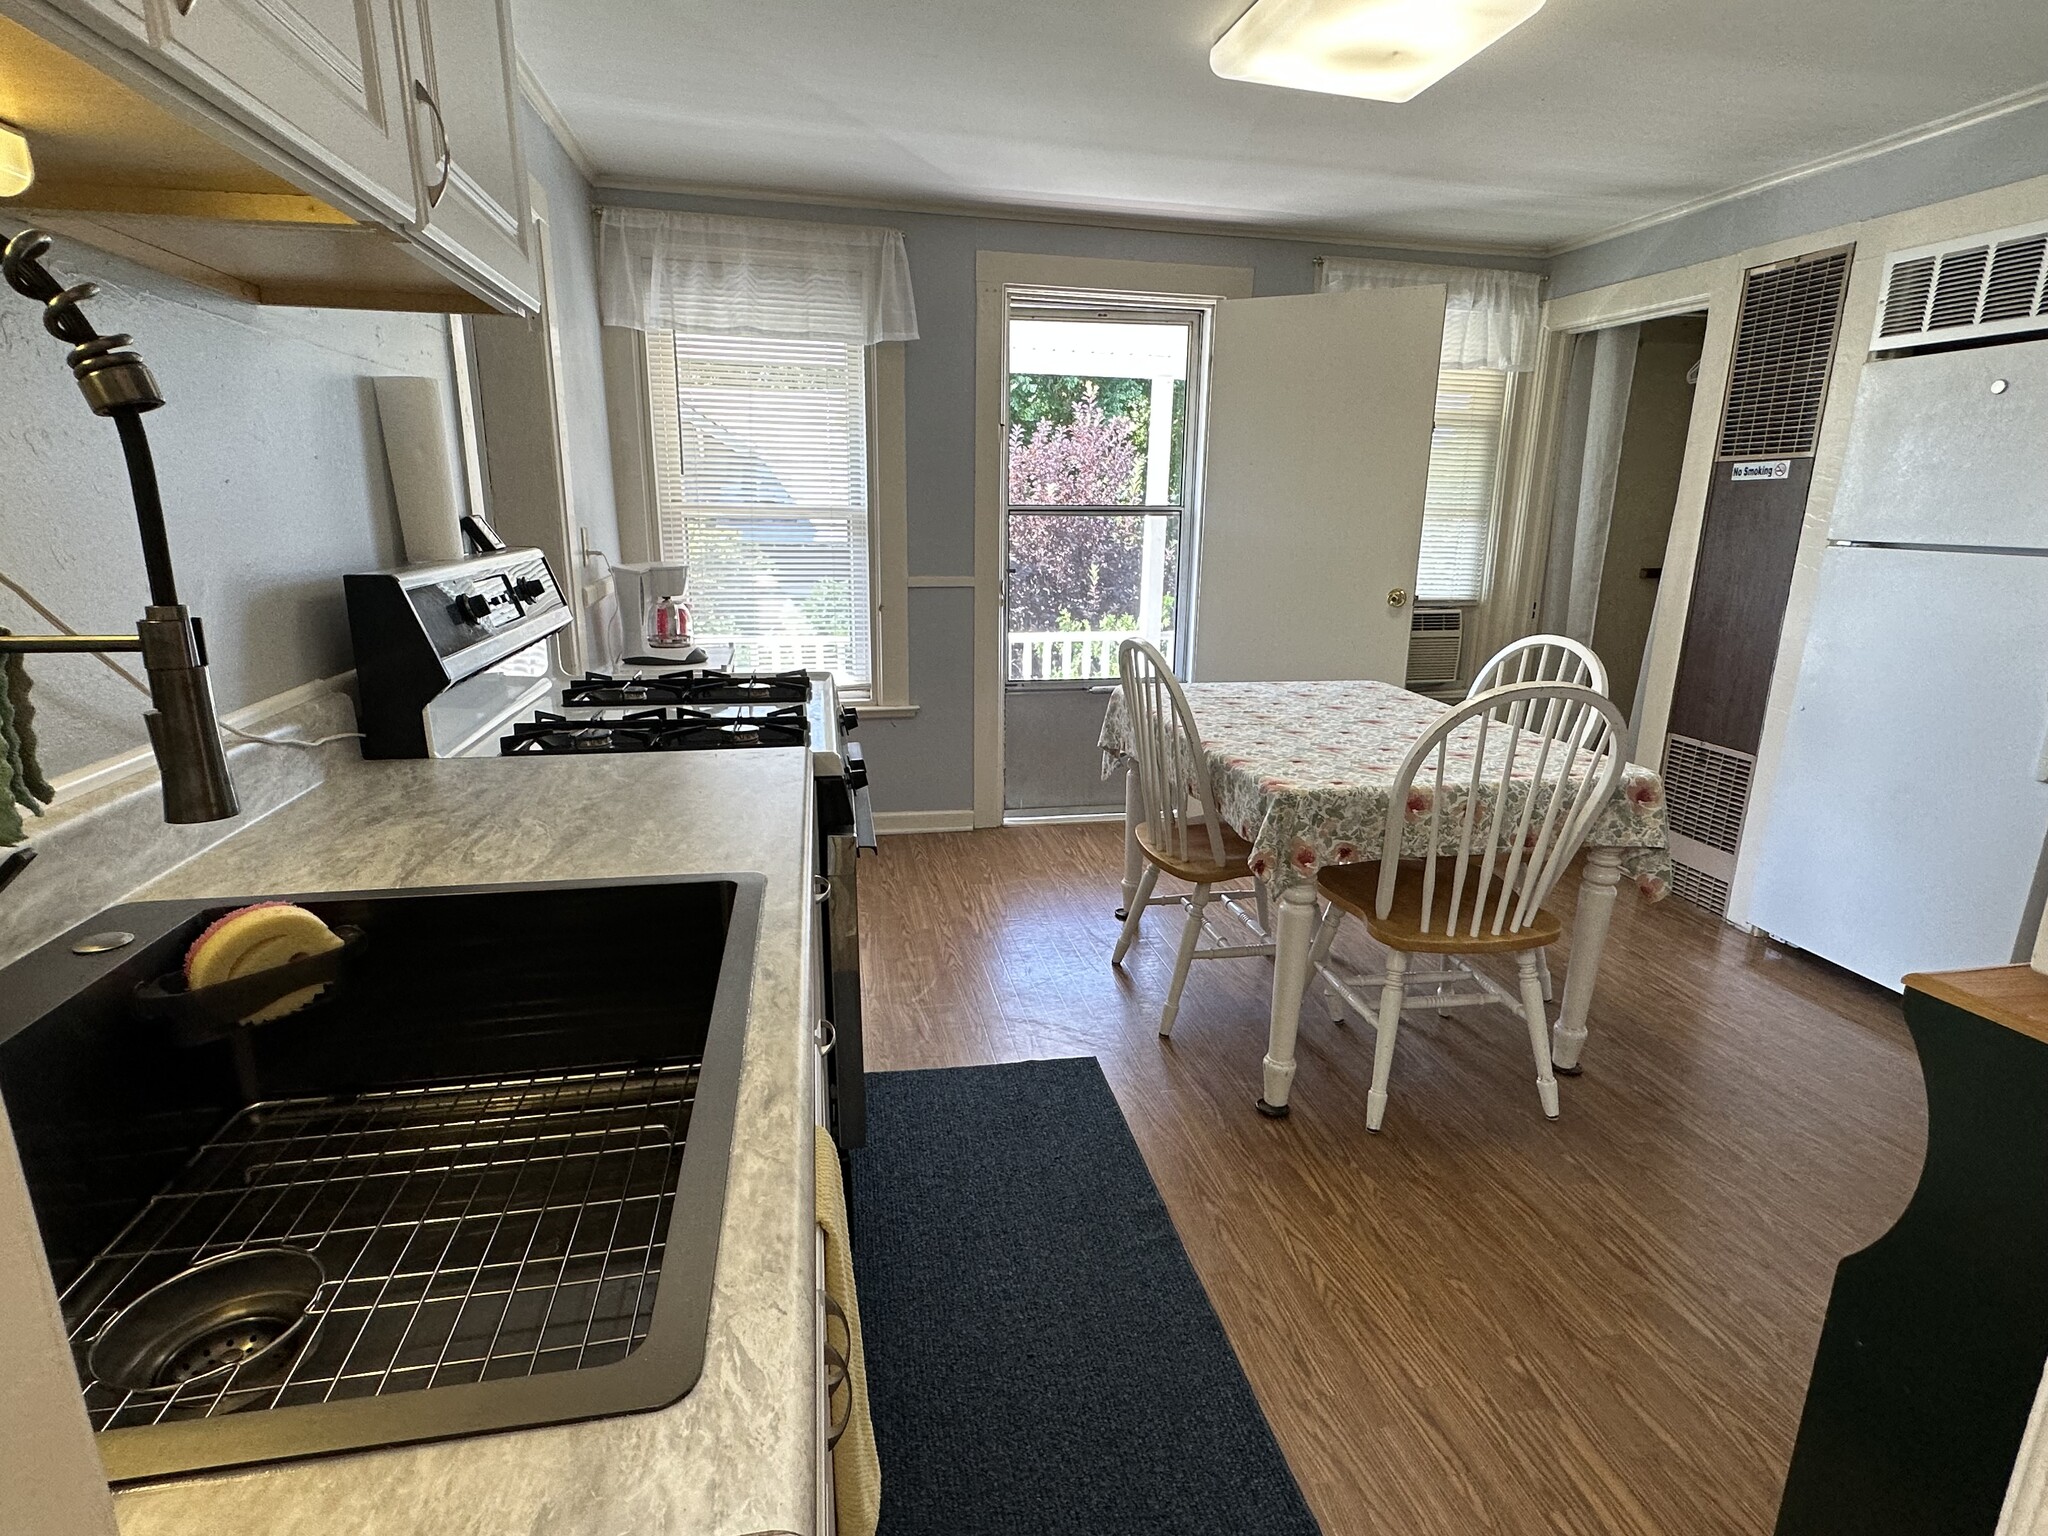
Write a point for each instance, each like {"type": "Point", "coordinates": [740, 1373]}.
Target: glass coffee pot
{"type": "Point", "coordinates": [665, 613]}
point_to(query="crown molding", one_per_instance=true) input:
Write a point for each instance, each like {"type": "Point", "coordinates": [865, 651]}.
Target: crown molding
{"type": "Point", "coordinates": [2003, 106]}
{"type": "Point", "coordinates": [1084, 218]}
{"type": "Point", "coordinates": [538, 98]}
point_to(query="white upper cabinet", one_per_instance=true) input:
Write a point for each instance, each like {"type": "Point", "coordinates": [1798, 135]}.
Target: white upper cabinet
{"type": "Point", "coordinates": [117, 18]}
{"type": "Point", "coordinates": [472, 176]}
{"type": "Point", "coordinates": [358, 153]}
{"type": "Point", "coordinates": [323, 79]}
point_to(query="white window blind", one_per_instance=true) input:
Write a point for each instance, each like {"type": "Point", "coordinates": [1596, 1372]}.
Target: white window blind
{"type": "Point", "coordinates": [1464, 478]}
{"type": "Point", "coordinates": [761, 480]}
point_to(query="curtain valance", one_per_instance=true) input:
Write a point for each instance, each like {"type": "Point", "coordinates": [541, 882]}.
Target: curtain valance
{"type": "Point", "coordinates": [711, 274]}
{"type": "Point", "coordinates": [1492, 319]}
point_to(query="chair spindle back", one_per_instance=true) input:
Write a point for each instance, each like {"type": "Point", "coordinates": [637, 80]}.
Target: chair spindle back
{"type": "Point", "coordinates": [1541, 659]}
{"type": "Point", "coordinates": [1166, 750]}
{"type": "Point", "coordinates": [1544, 759]}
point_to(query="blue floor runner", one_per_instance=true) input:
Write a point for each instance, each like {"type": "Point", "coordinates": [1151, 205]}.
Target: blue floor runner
{"type": "Point", "coordinates": [1041, 1356]}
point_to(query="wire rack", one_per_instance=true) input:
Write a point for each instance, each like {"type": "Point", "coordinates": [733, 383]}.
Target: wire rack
{"type": "Point", "coordinates": [469, 1232]}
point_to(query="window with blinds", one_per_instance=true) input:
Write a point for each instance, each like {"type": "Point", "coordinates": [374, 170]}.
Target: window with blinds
{"type": "Point", "coordinates": [1464, 485]}
{"type": "Point", "coordinates": [761, 483]}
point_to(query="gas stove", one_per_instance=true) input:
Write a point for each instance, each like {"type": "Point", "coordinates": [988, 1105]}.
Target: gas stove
{"type": "Point", "coordinates": [696, 711]}
{"type": "Point", "coordinates": [659, 730]}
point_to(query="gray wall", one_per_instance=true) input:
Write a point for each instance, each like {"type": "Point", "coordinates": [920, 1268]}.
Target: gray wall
{"type": "Point", "coordinates": [572, 253]}
{"type": "Point", "coordinates": [271, 461]}
{"type": "Point", "coordinates": [273, 479]}
{"type": "Point", "coordinates": [1987, 154]}
{"type": "Point", "coordinates": [926, 763]}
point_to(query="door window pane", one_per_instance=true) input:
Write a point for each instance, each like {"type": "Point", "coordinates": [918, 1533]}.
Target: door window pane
{"type": "Point", "coordinates": [1084, 400]}
{"type": "Point", "coordinates": [1098, 412]}
{"type": "Point", "coordinates": [1081, 584]}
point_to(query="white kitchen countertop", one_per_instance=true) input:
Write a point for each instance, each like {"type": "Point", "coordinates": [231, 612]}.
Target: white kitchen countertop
{"type": "Point", "coordinates": [738, 1455]}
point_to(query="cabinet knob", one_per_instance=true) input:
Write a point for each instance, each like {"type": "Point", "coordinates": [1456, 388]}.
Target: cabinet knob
{"type": "Point", "coordinates": [1397, 597]}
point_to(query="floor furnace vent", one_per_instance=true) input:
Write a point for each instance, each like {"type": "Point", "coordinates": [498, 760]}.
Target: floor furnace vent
{"type": "Point", "coordinates": [1706, 793]}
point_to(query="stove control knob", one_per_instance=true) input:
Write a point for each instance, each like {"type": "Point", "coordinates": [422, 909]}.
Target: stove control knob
{"type": "Point", "coordinates": [527, 588]}
{"type": "Point", "coordinates": [849, 719]}
{"type": "Point", "coordinates": [472, 608]}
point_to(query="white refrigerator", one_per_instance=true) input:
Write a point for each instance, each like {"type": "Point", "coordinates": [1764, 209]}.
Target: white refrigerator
{"type": "Point", "coordinates": [1908, 824]}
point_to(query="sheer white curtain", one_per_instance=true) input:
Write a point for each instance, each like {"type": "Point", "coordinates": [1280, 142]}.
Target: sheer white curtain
{"type": "Point", "coordinates": [1492, 319]}
{"type": "Point", "coordinates": [711, 275]}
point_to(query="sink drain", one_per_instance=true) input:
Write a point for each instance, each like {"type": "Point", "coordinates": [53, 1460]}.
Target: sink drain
{"type": "Point", "coordinates": [236, 1311]}
{"type": "Point", "coordinates": [221, 1349]}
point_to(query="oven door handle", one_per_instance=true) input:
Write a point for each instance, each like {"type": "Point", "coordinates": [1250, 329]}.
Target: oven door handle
{"type": "Point", "coordinates": [864, 822]}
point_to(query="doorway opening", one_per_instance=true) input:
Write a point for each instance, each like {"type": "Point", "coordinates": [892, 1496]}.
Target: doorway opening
{"type": "Point", "coordinates": [1627, 414]}
{"type": "Point", "coordinates": [1103, 411]}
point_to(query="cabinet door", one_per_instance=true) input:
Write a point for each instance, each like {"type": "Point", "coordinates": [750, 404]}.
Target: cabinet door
{"type": "Point", "coordinates": [472, 206]}
{"type": "Point", "coordinates": [321, 78]}
{"type": "Point", "coordinates": [123, 19]}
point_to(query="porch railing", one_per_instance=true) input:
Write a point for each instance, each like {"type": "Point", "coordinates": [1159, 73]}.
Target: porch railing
{"type": "Point", "coordinates": [785, 653]}
{"type": "Point", "coordinates": [1085, 655]}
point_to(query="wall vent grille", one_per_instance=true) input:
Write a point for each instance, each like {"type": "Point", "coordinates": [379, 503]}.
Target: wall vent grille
{"type": "Point", "coordinates": [1436, 643]}
{"type": "Point", "coordinates": [1706, 792]}
{"type": "Point", "coordinates": [1784, 351]}
{"type": "Point", "coordinates": [1697, 888]}
{"type": "Point", "coordinates": [1981, 286]}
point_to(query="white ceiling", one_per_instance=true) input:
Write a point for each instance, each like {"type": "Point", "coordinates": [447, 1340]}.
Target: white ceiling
{"type": "Point", "coordinates": [1592, 114]}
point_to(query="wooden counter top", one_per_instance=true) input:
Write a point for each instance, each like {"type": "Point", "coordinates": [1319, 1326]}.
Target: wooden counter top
{"type": "Point", "coordinates": [2013, 995]}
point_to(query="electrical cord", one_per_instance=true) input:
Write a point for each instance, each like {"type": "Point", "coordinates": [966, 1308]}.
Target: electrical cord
{"type": "Point", "coordinates": [142, 688]}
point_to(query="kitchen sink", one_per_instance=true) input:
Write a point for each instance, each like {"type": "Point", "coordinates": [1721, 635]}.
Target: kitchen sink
{"type": "Point", "coordinates": [475, 1185]}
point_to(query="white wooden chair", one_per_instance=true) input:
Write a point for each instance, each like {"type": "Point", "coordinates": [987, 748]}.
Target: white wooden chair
{"type": "Point", "coordinates": [1541, 659]}
{"type": "Point", "coordinates": [1181, 832]}
{"type": "Point", "coordinates": [1511, 836]}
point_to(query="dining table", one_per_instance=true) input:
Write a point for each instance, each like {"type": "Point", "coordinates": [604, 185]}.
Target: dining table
{"type": "Point", "coordinates": [1305, 773]}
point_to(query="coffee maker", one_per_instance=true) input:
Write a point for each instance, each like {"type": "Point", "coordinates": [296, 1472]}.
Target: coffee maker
{"type": "Point", "coordinates": [654, 600]}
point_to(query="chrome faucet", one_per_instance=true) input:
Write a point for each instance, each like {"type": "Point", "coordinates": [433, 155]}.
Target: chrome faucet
{"type": "Point", "coordinates": [183, 731]}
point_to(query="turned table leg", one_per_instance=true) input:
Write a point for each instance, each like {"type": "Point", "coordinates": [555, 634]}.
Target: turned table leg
{"type": "Point", "coordinates": [1589, 939]}
{"type": "Point", "coordinates": [1294, 931]}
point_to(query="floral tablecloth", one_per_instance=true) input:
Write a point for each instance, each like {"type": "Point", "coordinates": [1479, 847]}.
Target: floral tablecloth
{"type": "Point", "coordinates": [1304, 772]}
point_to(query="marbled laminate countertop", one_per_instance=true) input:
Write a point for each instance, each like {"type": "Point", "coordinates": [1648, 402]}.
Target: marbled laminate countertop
{"type": "Point", "coordinates": [738, 1455]}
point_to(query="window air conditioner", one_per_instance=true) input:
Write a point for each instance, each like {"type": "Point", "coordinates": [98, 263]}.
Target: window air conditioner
{"type": "Point", "coordinates": [1436, 644]}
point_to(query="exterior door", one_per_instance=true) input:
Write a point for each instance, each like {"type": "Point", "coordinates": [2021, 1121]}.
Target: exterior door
{"type": "Point", "coordinates": [1321, 409]}
{"type": "Point", "coordinates": [1103, 408]}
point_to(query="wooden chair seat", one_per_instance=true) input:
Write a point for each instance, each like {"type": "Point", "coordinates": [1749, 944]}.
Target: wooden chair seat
{"type": "Point", "coordinates": [1355, 888]}
{"type": "Point", "coordinates": [1198, 868]}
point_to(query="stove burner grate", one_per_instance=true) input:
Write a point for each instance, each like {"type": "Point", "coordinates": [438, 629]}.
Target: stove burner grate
{"type": "Point", "coordinates": [695, 688]}
{"type": "Point", "coordinates": [657, 730]}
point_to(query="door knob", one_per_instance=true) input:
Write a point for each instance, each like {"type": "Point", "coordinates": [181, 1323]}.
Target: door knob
{"type": "Point", "coordinates": [1396, 596]}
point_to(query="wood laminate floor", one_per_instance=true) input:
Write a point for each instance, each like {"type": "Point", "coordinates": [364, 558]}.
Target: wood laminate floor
{"type": "Point", "coordinates": [1478, 1321]}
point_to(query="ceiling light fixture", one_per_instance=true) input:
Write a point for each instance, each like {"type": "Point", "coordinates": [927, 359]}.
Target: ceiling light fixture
{"type": "Point", "coordinates": [1382, 50]}
{"type": "Point", "coordinates": [17, 166]}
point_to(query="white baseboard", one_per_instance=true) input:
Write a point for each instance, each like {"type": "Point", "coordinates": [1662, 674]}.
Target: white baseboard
{"type": "Point", "coordinates": [79, 781]}
{"type": "Point", "coordinates": [1059, 818]}
{"type": "Point", "coordinates": [895, 822]}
